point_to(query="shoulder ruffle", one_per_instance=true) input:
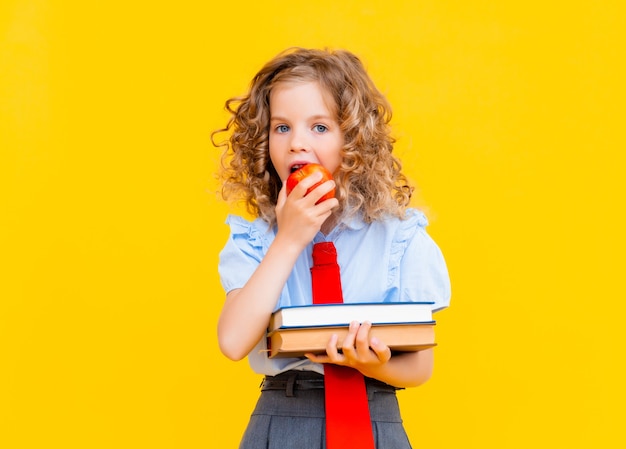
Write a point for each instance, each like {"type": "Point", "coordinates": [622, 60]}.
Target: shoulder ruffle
{"type": "Point", "coordinates": [255, 233]}
{"type": "Point", "coordinates": [415, 221]}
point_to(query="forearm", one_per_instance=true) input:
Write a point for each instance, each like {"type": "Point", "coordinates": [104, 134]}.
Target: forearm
{"type": "Point", "coordinates": [409, 369]}
{"type": "Point", "coordinates": [246, 312]}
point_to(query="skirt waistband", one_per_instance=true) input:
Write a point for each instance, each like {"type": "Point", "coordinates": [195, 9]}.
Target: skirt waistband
{"type": "Point", "coordinates": [292, 380]}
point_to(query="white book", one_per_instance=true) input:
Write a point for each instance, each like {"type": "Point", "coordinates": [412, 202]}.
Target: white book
{"type": "Point", "coordinates": [317, 315]}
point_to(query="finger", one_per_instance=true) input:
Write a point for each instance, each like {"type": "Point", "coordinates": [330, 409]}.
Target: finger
{"type": "Point", "coordinates": [325, 208]}
{"type": "Point", "coordinates": [317, 358]}
{"type": "Point", "coordinates": [349, 339]}
{"type": "Point", "coordinates": [382, 351]}
{"type": "Point", "coordinates": [332, 351]}
{"type": "Point", "coordinates": [363, 339]}
{"type": "Point", "coordinates": [319, 191]}
{"type": "Point", "coordinates": [282, 195]}
{"type": "Point", "coordinates": [347, 346]}
{"type": "Point", "coordinates": [303, 186]}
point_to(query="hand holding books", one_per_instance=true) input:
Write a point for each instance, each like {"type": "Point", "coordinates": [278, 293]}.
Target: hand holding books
{"type": "Point", "coordinates": [295, 331]}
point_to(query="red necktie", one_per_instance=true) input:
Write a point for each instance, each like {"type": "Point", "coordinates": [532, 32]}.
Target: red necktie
{"type": "Point", "coordinates": [348, 422]}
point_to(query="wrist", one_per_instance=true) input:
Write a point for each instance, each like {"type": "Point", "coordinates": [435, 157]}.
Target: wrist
{"type": "Point", "coordinates": [287, 247]}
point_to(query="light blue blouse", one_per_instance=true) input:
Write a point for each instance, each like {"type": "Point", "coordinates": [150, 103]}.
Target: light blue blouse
{"type": "Point", "coordinates": [385, 261]}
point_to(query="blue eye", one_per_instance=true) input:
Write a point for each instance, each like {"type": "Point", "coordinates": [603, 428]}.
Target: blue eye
{"type": "Point", "coordinates": [282, 128]}
{"type": "Point", "coordinates": [320, 128]}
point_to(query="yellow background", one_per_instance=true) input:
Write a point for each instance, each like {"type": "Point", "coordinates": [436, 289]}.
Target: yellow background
{"type": "Point", "coordinates": [507, 115]}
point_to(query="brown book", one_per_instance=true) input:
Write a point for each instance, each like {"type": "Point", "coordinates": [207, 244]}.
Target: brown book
{"type": "Point", "coordinates": [402, 337]}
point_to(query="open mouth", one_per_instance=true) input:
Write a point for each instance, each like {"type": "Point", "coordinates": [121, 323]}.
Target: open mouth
{"type": "Point", "coordinates": [296, 167]}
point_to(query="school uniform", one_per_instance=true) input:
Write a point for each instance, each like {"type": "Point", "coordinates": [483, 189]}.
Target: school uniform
{"type": "Point", "coordinates": [385, 261]}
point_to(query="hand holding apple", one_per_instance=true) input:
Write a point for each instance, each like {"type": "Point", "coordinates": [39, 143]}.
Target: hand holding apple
{"type": "Point", "coordinates": [308, 170]}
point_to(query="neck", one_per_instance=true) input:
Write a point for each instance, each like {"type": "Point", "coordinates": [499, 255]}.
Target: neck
{"type": "Point", "coordinates": [329, 224]}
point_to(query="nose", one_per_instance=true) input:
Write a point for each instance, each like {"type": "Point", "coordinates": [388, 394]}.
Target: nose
{"type": "Point", "coordinates": [299, 143]}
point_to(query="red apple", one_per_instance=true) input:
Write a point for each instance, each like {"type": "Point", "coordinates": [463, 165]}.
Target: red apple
{"type": "Point", "coordinates": [305, 171]}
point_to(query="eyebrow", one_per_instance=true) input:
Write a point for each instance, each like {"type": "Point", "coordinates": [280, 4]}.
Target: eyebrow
{"type": "Point", "coordinates": [315, 117]}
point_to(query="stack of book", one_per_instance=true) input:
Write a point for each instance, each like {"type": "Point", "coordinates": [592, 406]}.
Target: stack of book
{"type": "Point", "coordinates": [295, 331]}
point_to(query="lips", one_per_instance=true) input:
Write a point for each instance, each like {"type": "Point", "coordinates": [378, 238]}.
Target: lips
{"type": "Point", "coordinates": [296, 167]}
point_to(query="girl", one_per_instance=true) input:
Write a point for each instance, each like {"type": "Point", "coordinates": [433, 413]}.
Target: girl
{"type": "Point", "coordinates": [318, 106]}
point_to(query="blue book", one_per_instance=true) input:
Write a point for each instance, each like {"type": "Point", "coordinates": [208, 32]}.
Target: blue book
{"type": "Point", "coordinates": [338, 315]}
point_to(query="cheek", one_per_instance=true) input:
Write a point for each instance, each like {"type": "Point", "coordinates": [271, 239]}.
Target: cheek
{"type": "Point", "coordinates": [272, 149]}
{"type": "Point", "coordinates": [331, 160]}
{"type": "Point", "coordinates": [277, 162]}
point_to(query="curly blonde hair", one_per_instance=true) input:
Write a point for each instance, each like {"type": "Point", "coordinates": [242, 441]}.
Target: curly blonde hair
{"type": "Point", "coordinates": [369, 180]}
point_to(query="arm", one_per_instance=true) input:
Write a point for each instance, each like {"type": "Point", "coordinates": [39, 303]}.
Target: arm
{"type": "Point", "coordinates": [246, 312]}
{"type": "Point", "coordinates": [373, 358]}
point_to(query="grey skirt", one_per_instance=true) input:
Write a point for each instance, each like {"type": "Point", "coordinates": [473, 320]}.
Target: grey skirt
{"type": "Point", "coordinates": [290, 414]}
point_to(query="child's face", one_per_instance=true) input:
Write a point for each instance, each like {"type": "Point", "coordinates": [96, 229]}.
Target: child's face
{"type": "Point", "coordinates": [303, 128]}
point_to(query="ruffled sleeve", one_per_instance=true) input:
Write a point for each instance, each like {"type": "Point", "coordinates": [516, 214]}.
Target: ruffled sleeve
{"type": "Point", "coordinates": [419, 263]}
{"type": "Point", "coordinates": [247, 243]}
